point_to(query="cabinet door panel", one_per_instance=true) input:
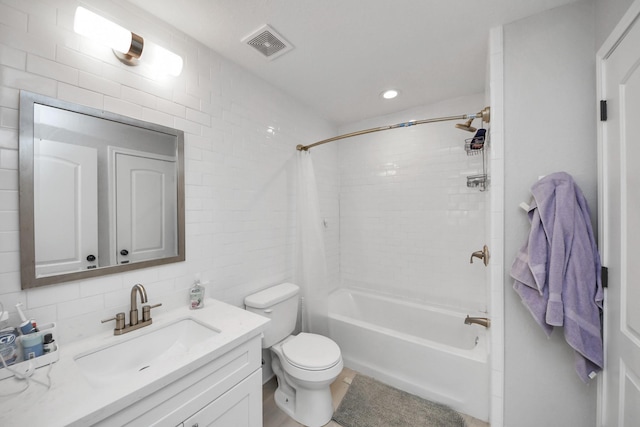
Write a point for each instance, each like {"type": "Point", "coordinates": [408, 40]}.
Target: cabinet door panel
{"type": "Point", "coordinates": [239, 407]}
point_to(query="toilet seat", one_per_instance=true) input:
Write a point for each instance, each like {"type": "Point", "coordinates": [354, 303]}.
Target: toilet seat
{"type": "Point", "coordinates": [311, 352]}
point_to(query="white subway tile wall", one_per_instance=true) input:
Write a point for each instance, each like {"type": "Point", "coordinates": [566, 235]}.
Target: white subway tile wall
{"type": "Point", "coordinates": [399, 217]}
{"type": "Point", "coordinates": [408, 221]}
{"type": "Point", "coordinates": [240, 139]}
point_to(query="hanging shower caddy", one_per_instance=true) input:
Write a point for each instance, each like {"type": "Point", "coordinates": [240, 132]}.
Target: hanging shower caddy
{"type": "Point", "coordinates": [476, 146]}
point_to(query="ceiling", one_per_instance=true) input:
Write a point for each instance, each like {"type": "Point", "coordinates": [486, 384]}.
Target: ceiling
{"type": "Point", "coordinates": [346, 52]}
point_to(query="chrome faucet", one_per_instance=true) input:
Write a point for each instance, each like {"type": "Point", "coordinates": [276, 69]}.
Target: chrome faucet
{"type": "Point", "coordinates": [134, 321]}
{"type": "Point", "coordinates": [482, 321]}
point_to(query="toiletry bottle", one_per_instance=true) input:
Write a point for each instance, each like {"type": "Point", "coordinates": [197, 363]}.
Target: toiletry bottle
{"type": "Point", "coordinates": [196, 296]}
{"type": "Point", "coordinates": [49, 345]}
{"type": "Point", "coordinates": [8, 346]}
{"type": "Point", "coordinates": [31, 345]}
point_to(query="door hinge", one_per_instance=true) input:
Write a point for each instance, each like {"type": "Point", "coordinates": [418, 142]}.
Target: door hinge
{"type": "Point", "coordinates": [603, 110]}
{"type": "Point", "coordinates": [604, 276]}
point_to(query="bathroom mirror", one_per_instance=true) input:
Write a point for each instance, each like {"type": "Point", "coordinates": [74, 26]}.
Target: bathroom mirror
{"type": "Point", "coordinates": [100, 193]}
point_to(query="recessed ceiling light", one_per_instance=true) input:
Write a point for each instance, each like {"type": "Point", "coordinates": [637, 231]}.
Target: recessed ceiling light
{"type": "Point", "coordinates": [389, 94]}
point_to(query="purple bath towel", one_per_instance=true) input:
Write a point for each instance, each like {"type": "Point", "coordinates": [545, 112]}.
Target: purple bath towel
{"type": "Point", "coordinates": [557, 272]}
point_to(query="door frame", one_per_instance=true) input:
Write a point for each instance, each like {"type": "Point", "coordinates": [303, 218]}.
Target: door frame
{"type": "Point", "coordinates": [607, 48]}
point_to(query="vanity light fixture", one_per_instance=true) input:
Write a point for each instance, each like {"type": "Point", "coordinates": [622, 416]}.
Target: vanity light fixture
{"type": "Point", "coordinates": [129, 48]}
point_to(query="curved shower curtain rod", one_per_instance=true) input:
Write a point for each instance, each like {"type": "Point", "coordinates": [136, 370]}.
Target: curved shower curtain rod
{"type": "Point", "coordinates": [485, 115]}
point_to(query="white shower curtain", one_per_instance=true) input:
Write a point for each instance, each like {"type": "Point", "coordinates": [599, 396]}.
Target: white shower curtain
{"type": "Point", "coordinates": [311, 267]}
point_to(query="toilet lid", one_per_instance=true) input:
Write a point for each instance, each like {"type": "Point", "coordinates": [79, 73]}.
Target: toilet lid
{"type": "Point", "coordinates": [311, 351]}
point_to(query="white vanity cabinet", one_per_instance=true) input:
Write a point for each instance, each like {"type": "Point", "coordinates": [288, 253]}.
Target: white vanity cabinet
{"type": "Point", "coordinates": [211, 376]}
{"type": "Point", "coordinates": [240, 406]}
{"type": "Point", "coordinates": [226, 391]}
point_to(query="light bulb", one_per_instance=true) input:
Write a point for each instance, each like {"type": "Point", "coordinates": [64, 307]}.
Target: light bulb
{"type": "Point", "coordinates": [161, 59]}
{"type": "Point", "coordinates": [101, 30]}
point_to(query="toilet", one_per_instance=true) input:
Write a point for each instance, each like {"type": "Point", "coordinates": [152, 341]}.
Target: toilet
{"type": "Point", "coordinates": [305, 364]}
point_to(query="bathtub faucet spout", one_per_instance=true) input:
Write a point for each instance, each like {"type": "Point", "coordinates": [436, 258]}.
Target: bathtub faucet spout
{"type": "Point", "coordinates": [483, 255]}
{"type": "Point", "coordinates": [482, 321]}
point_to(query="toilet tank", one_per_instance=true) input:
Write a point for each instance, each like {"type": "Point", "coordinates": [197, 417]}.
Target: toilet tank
{"type": "Point", "coordinates": [280, 304]}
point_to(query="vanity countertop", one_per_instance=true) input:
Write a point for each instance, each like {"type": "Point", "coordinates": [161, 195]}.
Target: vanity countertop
{"type": "Point", "coordinates": [74, 400]}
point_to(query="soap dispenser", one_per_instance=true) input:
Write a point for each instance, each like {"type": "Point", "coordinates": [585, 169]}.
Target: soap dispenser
{"type": "Point", "coordinates": [196, 295]}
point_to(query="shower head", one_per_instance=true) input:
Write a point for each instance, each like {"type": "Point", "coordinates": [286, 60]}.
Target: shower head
{"type": "Point", "coordinates": [466, 125]}
{"type": "Point", "coordinates": [484, 115]}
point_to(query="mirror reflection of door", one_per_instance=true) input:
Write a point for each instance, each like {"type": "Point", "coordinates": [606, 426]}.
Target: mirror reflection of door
{"type": "Point", "coordinates": [65, 207]}
{"type": "Point", "coordinates": [146, 203]}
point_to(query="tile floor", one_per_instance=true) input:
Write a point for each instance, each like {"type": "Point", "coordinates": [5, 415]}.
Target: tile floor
{"type": "Point", "coordinates": [272, 416]}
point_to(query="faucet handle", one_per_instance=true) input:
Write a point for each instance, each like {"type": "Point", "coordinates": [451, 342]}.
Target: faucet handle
{"type": "Point", "coordinates": [483, 255]}
{"type": "Point", "coordinates": [146, 311]}
{"type": "Point", "coordinates": [119, 318]}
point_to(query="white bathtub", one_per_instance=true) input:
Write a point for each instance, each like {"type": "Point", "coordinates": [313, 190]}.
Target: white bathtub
{"type": "Point", "coordinates": [426, 351]}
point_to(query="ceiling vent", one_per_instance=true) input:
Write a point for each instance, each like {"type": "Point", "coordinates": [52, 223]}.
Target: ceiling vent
{"type": "Point", "coordinates": [268, 42]}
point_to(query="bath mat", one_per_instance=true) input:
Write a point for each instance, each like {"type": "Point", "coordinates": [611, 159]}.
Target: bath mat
{"type": "Point", "coordinates": [369, 403]}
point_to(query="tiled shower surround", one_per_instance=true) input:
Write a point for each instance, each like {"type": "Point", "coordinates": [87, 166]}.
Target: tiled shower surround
{"type": "Point", "coordinates": [408, 222]}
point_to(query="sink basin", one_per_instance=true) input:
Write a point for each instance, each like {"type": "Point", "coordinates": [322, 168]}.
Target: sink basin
{"type": "Point", "coordinates": [161, 349]}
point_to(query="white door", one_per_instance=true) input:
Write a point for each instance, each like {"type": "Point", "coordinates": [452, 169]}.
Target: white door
{"type": "Point", "coordinates": [146, 202]}
{"type": "Point", "coordinates": [620, 228]}
{"type": "Point", "coordinates": [65, 207]}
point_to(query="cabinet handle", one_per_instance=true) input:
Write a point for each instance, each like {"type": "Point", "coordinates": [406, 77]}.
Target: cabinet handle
{"type": "Point", "coordinates": [124, 252]}
{"type": "Point", "coordinates": [91, 258]}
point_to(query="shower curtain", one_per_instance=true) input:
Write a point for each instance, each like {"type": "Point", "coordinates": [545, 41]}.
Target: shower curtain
{"type": "Point", "coordinates": [311, 268]}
